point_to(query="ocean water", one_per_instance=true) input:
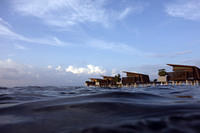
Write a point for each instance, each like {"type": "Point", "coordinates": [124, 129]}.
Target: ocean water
{"type": "Point", "coordinates": [161, 109]}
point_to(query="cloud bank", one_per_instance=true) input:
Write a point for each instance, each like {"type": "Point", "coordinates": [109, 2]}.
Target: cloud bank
{"type": "Point", "coordinates": [17, 74]}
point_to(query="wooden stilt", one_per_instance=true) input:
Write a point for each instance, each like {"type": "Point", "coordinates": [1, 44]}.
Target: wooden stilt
{"type": "Point", "coordinates": [135, 85]}
{"type": "Point", "coordinates": [193, 83]}
{"type": "Point", "coordinates": [154, 84]}
{"type": "Point", "coordinates": [187, 82]}
{"type": "Point", "coordinates": [197, 83]}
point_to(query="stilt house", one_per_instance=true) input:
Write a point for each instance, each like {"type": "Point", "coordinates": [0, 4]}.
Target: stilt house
{"type": "Point", "coordinates": [184, 73]}
{"type": "Point", "coordinates": [132, 78]}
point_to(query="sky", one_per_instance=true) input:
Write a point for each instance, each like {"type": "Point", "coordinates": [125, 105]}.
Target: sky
{"type": "Point", "coordinates": [65, 42]}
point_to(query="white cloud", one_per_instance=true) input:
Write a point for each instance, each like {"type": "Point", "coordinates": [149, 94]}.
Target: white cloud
{"type": "Point", "coordinates": [171, 55]}
{"type": "Point", "coordinates": [20, 47]}
{"type": "Point", "coordinates": [90, 69]}
{"type": "Point", "coordinates": [4, 22]}
{"type": "Point", "coordinates": [116, 47]}
{"type": "Point", "coordinates": [58, 68]}
{"type": "Point", "coordinates": [187, 9]}
{"type": "Point", "coordinates": [63, 13]}
{"type": "Point", "coordinates": [8, 33]}
{"type": "Point", "coordinates": [5, 31]}
{"type": "Point", "coordinates": [53, 41]}
{"type": "Point", "coordinates": [128, 10]}
{"type": "Point", "coordinates": [49, 67]}
{"type": "Point", "coordinates": [125, 13]}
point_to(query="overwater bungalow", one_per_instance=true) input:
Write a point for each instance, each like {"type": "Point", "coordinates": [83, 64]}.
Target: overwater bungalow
{"type": "Point", "coordinates": [180, 74]}
{"type": "Point", "coordinates": [183, 73]}
{"type": "Point", "coordinates": [131, 79]}
{"type": "Point", "coordinates": [107, 81]}
{"type": "Point", "coordinates": [111, 78]}
{"type": "Point", "coordinates": [134, 78]}
{"type": "Point", "coordinates": [93, 82]}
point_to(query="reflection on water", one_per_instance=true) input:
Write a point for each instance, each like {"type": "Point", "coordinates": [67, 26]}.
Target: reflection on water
{"type": "Point", "coordinates": [99, 110]}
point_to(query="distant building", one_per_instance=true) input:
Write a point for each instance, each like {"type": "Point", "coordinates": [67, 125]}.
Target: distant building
{"type": "Point", "coordinates": [107, 81]}
{"type": "Point", "coordinates": [115, 81]}
{"type": "Point", "coordinates": [183, 73]}
{"type": "Point", "coordinates": [163, 79]}
{"type": "Point", "coordinates": [132, 78]}
{"type": "Point", "coordinates": [110, 78]}
{"type": "Point", "coordinates": [93, 82]}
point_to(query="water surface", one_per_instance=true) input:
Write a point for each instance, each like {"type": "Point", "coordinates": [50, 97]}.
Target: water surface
{"type": "Point", "coordinates": [50, 109]}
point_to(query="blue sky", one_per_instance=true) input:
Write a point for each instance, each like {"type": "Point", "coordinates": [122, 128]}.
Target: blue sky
{"type": "Point", "coordinates": [64, 42]}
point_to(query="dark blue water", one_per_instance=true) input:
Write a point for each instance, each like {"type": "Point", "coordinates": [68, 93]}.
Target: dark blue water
{"type": "Point", "coordinates": [167, 109]}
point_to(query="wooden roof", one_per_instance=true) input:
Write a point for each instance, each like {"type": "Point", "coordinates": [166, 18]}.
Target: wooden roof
{"type": "Point", "coordinates": [107, 76]}
{"type": "Point", "coordinates": [175, 65]}
{"type": "Point", "coordinates": [134, 73]}
{"type": "Point", "coordinates": [95, 79]}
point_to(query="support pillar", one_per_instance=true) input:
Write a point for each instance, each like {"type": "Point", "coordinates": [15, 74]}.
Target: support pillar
{"type": "Point", "coordinates": [193, 83]}
{"type": "Point", "coordinates": [135, 85]}
{"type": "Point", "coordinates": [176, 83]}
{"type": "Point", "coordinates": [187, 82]}
{"type": "Point", "coordinates": [173, 82]}
{"type": "Point", "coordinates": [154, 84]}
{"type": "Point", "coordinates": [197, 83]}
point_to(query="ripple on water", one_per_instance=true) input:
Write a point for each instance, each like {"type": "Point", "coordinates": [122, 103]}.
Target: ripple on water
{"type": "Point", "coordinates": [100, 110]}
